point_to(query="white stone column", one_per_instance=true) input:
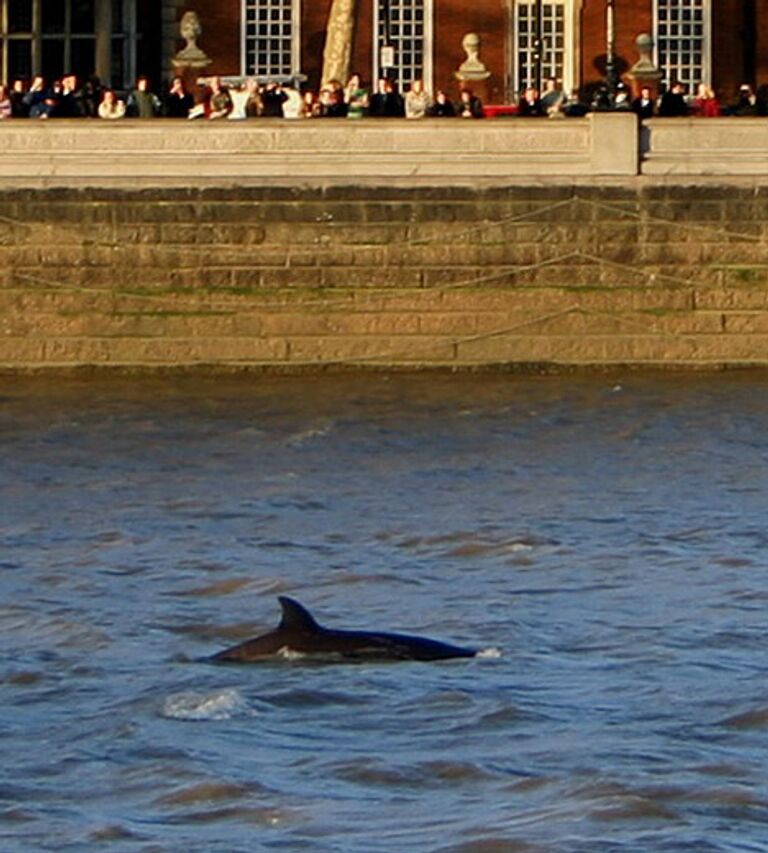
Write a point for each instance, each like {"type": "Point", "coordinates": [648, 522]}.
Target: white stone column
{"type": "Point", "coordinates": [338, 41]}
{"type": "Point", "coordinates": [104, 42]}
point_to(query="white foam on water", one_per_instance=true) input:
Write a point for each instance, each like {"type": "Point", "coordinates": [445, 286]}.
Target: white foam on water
{"type": "Point", "coordinates": [219, 705]}
{"type": "Point", "coordinates": [492, 652]}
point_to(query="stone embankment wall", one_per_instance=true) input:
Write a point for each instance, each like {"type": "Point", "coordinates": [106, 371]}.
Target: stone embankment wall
{"type": "Point", "coordinates": [637, 273]}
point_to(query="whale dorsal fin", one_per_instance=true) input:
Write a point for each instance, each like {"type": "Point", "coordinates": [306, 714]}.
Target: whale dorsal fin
{"type": "Point", "coordinates": [296, 616]}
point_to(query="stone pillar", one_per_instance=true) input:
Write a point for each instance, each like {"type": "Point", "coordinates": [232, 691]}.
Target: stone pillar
{"type": "Point", "coordinates": [104, 42]}
{"type": "Point", "coordinates": [615, 147]}
{"type": "Point", "coordinates": [131, 28]}
{"type": "Point", "coordinates": [338, 41]}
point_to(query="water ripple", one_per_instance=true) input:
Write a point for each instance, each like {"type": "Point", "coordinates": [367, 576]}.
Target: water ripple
{"type": "Point", "coordinates": [610, 541]}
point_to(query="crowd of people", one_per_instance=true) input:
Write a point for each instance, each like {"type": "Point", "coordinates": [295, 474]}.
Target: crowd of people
{"type": "Point", "coordinates": [66, 98]}
{"type": "Point", "coordinates": [69, 98]}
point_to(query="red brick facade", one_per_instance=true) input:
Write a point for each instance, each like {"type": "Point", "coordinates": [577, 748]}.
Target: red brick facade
{"type": "Point", "coordinates": [141, 36]}
{"type": "Point", "coordinates": [738, 48]}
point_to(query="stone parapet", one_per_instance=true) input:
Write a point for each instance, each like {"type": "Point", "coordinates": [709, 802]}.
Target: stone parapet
{"type": "Point", "coordinates": [188, 153]}
{"type": "Point", "coordinates": [705, 146]}
{"type": "Point", "coordinates": [431, 152]}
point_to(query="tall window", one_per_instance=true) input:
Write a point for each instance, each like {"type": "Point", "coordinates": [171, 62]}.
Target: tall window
{"type": "Point", "coordinates": [683, 40]}
{"type": "Point", "coordinates": [553, 41]}
{"type": "Point", "coordinates": [54, 37]}
{"type": "Point", "coordinates": [68, 37]}
{"type": "Point", "coordinates": [271, 38]}
{"type": "Point", "coordinates": [405, 26]}
{"type": "Point", "coordinates": [560, 28]}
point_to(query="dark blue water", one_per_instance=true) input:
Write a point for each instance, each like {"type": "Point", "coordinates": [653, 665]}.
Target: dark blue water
{"type": "Point", "coordinates": [609, 533]}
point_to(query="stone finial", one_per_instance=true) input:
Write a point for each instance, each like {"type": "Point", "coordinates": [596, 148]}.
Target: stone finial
{"type": "Point", "coordinates": [644, 67]}
{"type": "Point", "coordinates": [644, 72]}
{"type": "Point", "coordinates": [473, 67]}
{"type": "Point", "coordinates": [191, 56]}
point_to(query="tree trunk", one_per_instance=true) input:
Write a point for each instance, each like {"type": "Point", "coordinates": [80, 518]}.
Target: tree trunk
{"type": "Point", "coordinates": [338, 41]}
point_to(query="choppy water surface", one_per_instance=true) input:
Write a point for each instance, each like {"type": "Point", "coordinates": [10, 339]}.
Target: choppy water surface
{"type": "Point", "coordinates": [609, 533]}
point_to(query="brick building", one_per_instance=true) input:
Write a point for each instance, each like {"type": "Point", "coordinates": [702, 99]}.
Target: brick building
{"type": "Point", "coordinates": [718, 41]}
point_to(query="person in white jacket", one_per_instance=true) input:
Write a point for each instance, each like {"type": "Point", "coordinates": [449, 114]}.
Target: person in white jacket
{"type": "Point", "coordinates": [417, 100]}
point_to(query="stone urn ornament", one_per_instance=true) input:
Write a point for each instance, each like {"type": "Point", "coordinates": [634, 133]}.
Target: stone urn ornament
{"type": "Point", "coordinates": [644, 72]}
{"type": "Point", "coordinates": [191, 56]}
{"type": "Point", "coordinates": [472, 69]}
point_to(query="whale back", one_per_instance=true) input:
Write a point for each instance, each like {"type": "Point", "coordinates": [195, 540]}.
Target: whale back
{"type": "Point", "coordinates": [300, 635]}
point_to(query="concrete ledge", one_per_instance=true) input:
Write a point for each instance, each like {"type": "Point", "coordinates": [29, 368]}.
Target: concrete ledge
{"type": "Point", "coordinates": [696, 146]}
{"type": "Point", "coordinates": [182, 153]}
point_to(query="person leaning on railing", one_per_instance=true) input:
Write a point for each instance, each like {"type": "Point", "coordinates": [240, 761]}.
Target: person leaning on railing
{"type": "Point", "coordinates": [530, 105]}
{"type": "Point", "coordinates": [111, 107]}
{"type": "Point", "coordinates": [387, 102]}
{"type": "Point", "coordinates": [178, 101]}
{"type": "Point", "coordinates": [417, 100]}
{"type": "Point", "coordinates": [17, 92]}
{"type": "Point", "coordinates": [705, 104]}
{"type": "Point", "coordinates": [142, 101]}
{"type": "Point", "coordinates": [644, 105]}
{"type": "Point", "coordinates": [6, 106]}
{"type": "Point", "coordinates": [356, 97]}
{"type": "Point", "coordinates": [748, 103]}
{"type": "Point", "coordinates": [470, 106]}
{"type": "Point", "coordinates": [442, 107]}
{"type": "Point", "coordinates": [673, 103]}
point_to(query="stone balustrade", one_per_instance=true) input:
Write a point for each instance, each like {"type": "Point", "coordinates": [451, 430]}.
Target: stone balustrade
{"type": "Point", "coordinates": [699, 147]}
{"type": "Point", "coordinates": [186, 153]}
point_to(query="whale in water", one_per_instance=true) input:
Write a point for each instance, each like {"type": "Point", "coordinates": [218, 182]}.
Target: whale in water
{"type": "Point", "coordinates": [299, 635]}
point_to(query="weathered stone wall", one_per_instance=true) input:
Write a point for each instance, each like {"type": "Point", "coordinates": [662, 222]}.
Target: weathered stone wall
{"type": "Point", "coordinates": [637, 273]}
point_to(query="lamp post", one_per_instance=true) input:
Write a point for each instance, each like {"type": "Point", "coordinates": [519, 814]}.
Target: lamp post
{"type": "Point", "coordinates": [538, 45]}
{"type": "Point", "coordinates": [387, 50]}
{"type": "Point", "coordinates": [610, 47]}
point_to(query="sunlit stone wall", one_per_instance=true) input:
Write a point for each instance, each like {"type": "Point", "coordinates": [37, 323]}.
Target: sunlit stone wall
{"type": "Point", "coordinates": [298, 278]}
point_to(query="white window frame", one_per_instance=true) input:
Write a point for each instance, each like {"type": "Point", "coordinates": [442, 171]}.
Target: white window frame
{"type": "Point", "coordinates": [706, 66]}
{"type": "Point", "coordinates": [295, 70]}
{"type": "Point", "coordinates": [571, 43]}
{"type": "Point", "coordinates": [428, 51]}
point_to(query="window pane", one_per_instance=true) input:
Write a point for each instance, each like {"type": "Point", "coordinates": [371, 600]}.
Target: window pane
{"type": "Point", "coordinates": [118, 62]}
{"type": "Point", "coordinates": [53, 58]}
{"type": "Point", "coordinates": [54, 16]}
{"type": "Point", "coordinates": [82, 62]}
{"type": "Point", "coordinates": [407, 38]}
{"type": "Point", "coordinates": [117, 16]}
{"type": "Point", "coordinates": [20, 16]}
{"type": "Point", "coordinates": [83, 19]}
{"type": "Point", "coordinates": [269, 31]}
{"type": "Point", "coordinates": [681, 40]}
{"type": "Point", "coordinates": [19, 58]}
{"type": "Point", "coordinates": [552, 36]}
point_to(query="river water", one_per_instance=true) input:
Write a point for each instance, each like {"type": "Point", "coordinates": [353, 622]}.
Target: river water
{"type": "Point", "coordinates": [608, 533]}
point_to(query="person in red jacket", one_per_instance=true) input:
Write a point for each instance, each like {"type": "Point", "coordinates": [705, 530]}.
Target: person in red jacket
{"type": "Point", "coordinates": [705, 104]}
